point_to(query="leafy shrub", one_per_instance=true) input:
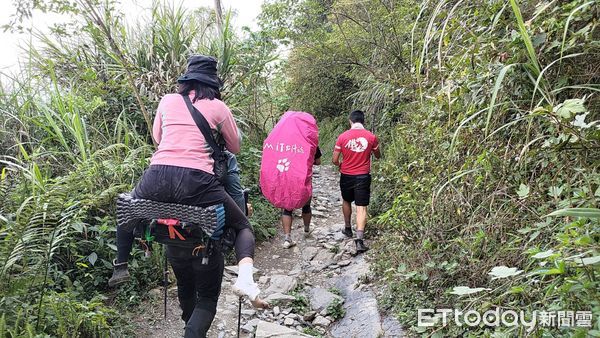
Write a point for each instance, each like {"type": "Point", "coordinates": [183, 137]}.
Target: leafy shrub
{"type": "Point", "coordinates": [311, 332]}
{"type": "Point", "coordinates": [63, 315]}
{"type": "Point", "coordinates": [336, 309]}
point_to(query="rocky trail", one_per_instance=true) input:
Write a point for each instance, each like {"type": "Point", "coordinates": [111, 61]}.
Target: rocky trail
{"type": "Point", "coordinates": [320, 287]}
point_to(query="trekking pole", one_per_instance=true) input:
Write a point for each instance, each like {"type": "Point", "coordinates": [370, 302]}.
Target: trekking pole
{"type": "Point", "coordinates": [239, 316]}
{"type": "Point", "coordinates": [165, 281]}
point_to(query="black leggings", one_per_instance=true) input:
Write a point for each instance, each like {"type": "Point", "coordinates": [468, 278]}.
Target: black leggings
{"type": "Point", "coordinates": [198, 288]}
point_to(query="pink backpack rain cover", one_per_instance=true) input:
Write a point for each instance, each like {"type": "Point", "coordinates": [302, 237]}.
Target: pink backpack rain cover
{"type": "Point", "coordinates": [287, 160]}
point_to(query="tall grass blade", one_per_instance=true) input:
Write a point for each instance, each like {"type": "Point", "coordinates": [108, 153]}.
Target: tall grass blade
{"type": "Point", "coordinates": [564, 38]}
{"type": "Point", "coordinates": [539, 78]}
{"type": "Point", "coordinates": [495, 91]}
{"type": "Point", "coordinates": [577, 212]}
{"type": "Point", "coordinates": [525, 36]}
{"type": "Point", "coordinates": [456, 177]}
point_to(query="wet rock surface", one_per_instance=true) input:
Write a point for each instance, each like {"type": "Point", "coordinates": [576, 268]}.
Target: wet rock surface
{"type": "Point", "coordinates": [320, 298]}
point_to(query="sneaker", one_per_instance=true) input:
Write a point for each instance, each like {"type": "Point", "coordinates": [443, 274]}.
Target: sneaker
{"type": "Point", "coordinates": [120, 274]}
{"type": "Point", "coordinates": [288, 243]}
{"type": "Point", "coordinates": [347, 232]}
{"type": "Point", "coordinates": [360, 246]}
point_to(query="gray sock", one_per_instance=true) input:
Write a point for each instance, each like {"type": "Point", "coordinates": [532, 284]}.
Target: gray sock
{"type": "Point", "coordinates": [360, 234]}
{"type": "Point", "coordinates": [288, 237]}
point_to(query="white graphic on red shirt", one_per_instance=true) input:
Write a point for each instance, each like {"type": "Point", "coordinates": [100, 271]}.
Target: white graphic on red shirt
{"type": "Point", "coordinates": [283, 165]}
{"type": "Point", "coordinates": [357, 145]}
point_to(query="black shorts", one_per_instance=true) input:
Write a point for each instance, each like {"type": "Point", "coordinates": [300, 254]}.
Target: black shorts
{"type": "Point", "coordinates": [356, 188]}
{"type": "Point", "coordinates": [306, 209]}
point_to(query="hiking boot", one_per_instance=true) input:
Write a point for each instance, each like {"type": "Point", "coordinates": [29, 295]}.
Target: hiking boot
{"type": "Point", "coordinates": [347, 232]}
{"type": "Point", "coordinates": [360, 246]}
{"type": "Point", "coordinates": [288, 243]}
{"type": "Point", "coordinates": [120, 274]}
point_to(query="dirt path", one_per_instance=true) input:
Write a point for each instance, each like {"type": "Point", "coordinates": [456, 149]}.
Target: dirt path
{"type": "Point", "coordinates": [318, 287]}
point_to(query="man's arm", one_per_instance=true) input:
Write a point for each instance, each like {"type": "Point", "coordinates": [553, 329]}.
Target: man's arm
{"type": "Point", "coordinates": [336, 158]}
{"type": "Point", "coordinates": [377, 153]}
{"type": "Point", "coordinates": [337, 151]}
{"type": "Point", "coordinates": [318, 156]}
{"type": "Point", "coordinates": [376, 148]}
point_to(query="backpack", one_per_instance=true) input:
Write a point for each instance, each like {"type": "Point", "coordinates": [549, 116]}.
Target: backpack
{"type": "Point", "coordinates": [287, 160]}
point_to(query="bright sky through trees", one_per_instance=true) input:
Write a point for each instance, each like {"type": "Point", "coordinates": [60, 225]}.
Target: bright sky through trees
{"type": "Point", "coordinates": [246, 13]}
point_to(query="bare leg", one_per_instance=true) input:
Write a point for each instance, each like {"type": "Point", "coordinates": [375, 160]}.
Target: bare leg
{"type": "Point", "coordinates": [347, 210]}
{"type": "Point", "coordinates": [287, 225]}
{"type": "Point", "coordinates": [306, 218]}
{"type": "Point", "coordinates": [361, 222]}
{"type": "Point", "coordinates": [361, 218]}
{"type": "Point", "coordinates": [286, 220]}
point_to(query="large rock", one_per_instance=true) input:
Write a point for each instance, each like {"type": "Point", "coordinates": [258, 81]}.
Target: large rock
{"type": "Point", "coordinates": [249, 312]}
{"type": "Point", "coordinates": [317, 213]}
{"type": "Point", "coordinates": [309, 316]}
{"type": "Point", "coordinates": [322, 321]}
{"type": "Point", "coordinates": [350, 247]}
{"type": "Point", "coordinates": [281, 284]}
{"type": "Point", "coordinates": [309, 253]}
{"type": "Point", "coordinates": [347, 282]}
{"type": "Point", "coordinates": [271, 330]}
{"type": "Point", "coordinates": [279, 298]}
{"type": "Point", "coordinates": [324, 256]}
{"type": "Point", "coordinates": [392, 327]}
{"type": "Point", "coordinates": [361, 320]}
{"type": "Point", "coordinates": [362, 317]}
{"type": "Point", "coordinates": [344, 262]}
{"type": "Point", "coordinates": [296, 271]}
{"type": "Point", "coordinates": [250, 325]}
{"type": "Point", "coordinates": [339, 236]}
{"type": "Point", "coordinates": [322, 260]}
{"type": "Point", "coordinates": [320, 298]}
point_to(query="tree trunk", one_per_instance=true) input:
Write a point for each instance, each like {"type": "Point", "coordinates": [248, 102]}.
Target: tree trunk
{"type": "Point", "coordinates": [219, 15]}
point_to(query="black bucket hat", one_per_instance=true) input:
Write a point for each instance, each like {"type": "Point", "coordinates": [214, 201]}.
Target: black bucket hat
{"type": "Point", "coordinates": [203, 69]}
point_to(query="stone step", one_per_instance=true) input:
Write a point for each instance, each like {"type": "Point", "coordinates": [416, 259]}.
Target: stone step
{"type": "Point", "coordinates": [271, 330]}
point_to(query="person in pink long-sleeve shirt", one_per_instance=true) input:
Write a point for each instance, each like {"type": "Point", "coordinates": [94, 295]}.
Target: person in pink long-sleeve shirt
{"type": "Point", "coordinates": [181, 171]}
{"type": "Point", "coordinates": [179, 141]}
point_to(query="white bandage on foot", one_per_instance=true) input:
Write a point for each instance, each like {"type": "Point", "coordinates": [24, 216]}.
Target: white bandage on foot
{"type": "Point", "coordinates": [244, 285]}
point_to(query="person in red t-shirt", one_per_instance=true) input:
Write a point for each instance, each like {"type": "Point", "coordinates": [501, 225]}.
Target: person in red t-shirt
{"type": "Point", "coordinates": [355, 146]}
